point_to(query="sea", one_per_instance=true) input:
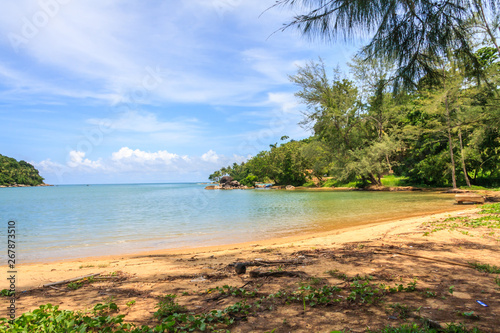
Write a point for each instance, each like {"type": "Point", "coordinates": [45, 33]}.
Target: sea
{"type": "Point", "coordinates": [76, 221]}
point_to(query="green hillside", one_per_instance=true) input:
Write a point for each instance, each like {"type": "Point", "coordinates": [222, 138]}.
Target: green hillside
{"type": "Point", "coordinates": [21, 173]}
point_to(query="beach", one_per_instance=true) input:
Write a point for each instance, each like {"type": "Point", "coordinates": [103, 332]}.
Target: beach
{"type": "Point", "coordinates": [427, 249]}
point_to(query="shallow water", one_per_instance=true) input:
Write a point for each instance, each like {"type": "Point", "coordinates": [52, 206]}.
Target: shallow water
{"type": "Point", "coordinates": [63, 222]}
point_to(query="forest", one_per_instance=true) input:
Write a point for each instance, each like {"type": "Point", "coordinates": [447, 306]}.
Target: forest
{"type": "Point", "coordinates": [13, 172]}
{"type": "Point", "coordinates": [443, 132]}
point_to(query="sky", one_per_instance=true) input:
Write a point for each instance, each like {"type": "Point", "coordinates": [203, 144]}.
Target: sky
{"type": "Point", "coordinates": [109, 91]}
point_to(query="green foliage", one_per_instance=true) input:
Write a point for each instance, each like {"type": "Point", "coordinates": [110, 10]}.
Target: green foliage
{"type": "Point", "coordinates": [167, 306]}
{"type": "Point", "coordinates": [329, 183]}
{"type": "Point", "coordinates": [485, 268]}
{"type": "Point", "coordinates": [283, 164]}
{"type": "Point", "coordinates": [470, 315]}
{"type": "Point", "coordinates": [402, 310]}
{"type": "Point", "coordinates": [48, 318]}
{"type": "Point", "coordinates": [444, 133]}
{"type": "Point", "coordinates": [74, 285]}
{"type": "Point", "coordinates": [491, 209]}
{"type": "Point", "coordinates": [234, 291]}
{"type": "Point", "coordinates": [6, 292]}
{"type": "Point", "coordinates": [22, 173]}
{"type": "Point", "coordinates": [415, 328]}
{"type": "Point", "coordinates": [392, 180]}
{"type": "Point", "coordinates": [249, 180]}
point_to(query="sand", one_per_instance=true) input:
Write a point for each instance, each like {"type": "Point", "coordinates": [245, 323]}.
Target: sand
{"type": "Point", "coordinates": [378, 250]}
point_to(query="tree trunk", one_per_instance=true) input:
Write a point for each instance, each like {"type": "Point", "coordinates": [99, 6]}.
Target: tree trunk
{"type": "Point", "coordinates": [463, 158]}
{"type": "Point", "coordinates": [374, 179]}
{"type": "Point", "coordinates": [493, 39]}
{"type": "Point", "coordinates": [450, 144]}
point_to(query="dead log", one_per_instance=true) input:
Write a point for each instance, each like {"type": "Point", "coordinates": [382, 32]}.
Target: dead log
{"type": "Point", "coordinates": [70, 280]}
{"type": "Point", "coordinates": [269, 263]}
{"type": "Point", "coordinates": [257, 274]}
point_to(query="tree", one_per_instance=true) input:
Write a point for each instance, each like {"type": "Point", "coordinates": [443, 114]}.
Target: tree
{"type": "Point", "coordinates": [414, 34]}
{"type": "Point", "coordinates": [333, 106]}
{"type": "Point", "coordinates": [14, 172]}
{"type": "Point", "coordinates": [353, 133]}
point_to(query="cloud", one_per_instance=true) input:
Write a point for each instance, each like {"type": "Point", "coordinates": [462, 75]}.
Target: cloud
{"type": "Point", "coordinates": [147, 122]}
{"type": "Point", "coordinates": [125, 155]}
{"type": "Point", "coordinates": [146, 127]}
{"type": "Point", "coordinates": [77, 160]}
{"type": "Point", "coordinates": [121, 164]}
{"type": "Point", "coordinates": [210, 156]}
{"type": "Point", "coordinates": [103, 50]}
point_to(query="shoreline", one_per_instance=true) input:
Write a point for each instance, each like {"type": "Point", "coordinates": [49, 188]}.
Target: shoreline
{"type": "Point", "coordinates": [417, 252]}
{"type": "Point", "coordinates": [317, 232]}
{"type": "Point", "coordinates": [24, 185]}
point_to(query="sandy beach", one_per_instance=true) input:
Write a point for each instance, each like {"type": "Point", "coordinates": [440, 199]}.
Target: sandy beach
{"type": "Point", "coordinates": [426, 249]}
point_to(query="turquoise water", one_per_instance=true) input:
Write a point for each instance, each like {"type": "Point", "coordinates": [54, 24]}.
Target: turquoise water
{"type": "Point", "coordinates": [77, 221]}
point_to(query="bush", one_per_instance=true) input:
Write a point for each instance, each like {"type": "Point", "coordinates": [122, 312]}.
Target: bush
{"type": "Point", "coordinates": [249, 180]}
{"type": "Point", "coordinates": [329, 183]}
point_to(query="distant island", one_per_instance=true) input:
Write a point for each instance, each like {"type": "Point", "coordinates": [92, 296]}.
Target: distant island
{"type": "Point", "coordinates": [18, 173]}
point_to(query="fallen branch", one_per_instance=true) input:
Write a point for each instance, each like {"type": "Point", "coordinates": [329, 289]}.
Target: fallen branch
{"type": "Point", "coordinates": [70, 280]}
{"type": "Point", "coordinates": [256, 274]}
{"type": "Point", "coordinates": [270, 263]}
{"type": "Point", "coordinates": [427, 258]}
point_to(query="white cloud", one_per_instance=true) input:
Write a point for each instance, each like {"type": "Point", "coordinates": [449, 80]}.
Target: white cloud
{"type": "Point", "coordinates": [102, 49]}
{"type": "Point", "coordinates": [125, 155]}
{"type": "Point", "coordinates": [126, 161]}
{"type": "Point", "coordinates": [210, 156]}
{"type": "Point", "coordinates": [146, 122]}
{"type": "Point", "coordinates": [285, 101]}
{"type": "Point", "coordinates": [77, 159]}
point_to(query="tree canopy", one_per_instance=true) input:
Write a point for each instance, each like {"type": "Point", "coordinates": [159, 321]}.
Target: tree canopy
{"type": "Point", "coordinates": [415, 35]}
{"type": "Point", "coordinates": [444, 133]}
{"type": "Point", "coordinates": [21, 173]}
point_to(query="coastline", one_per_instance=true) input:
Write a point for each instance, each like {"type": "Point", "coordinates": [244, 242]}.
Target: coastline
{"type": "Point", "coordinates": [363, 232]}
{"type": "Point", "coordinates": [396, 251]}
{"type": "Point", "coordinates": [284, 237]}
{"type": "Point", "coordinates": [24, 185]}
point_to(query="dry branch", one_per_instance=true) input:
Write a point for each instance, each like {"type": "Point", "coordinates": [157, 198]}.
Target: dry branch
{"type": "Point", "coordinates": [256, 274]}
{"type": "Point", "coordinates": [70, 280]}
{"type": "Point", "coordinates": [270, 263]}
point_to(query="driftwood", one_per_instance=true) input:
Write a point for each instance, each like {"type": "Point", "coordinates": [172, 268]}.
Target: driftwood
{"type": "Point", "coordinates": [422, 257]}
{"type": "Point", "coordinates": [256, 274]}
{"type": "Point", "coordinates": [70, 280]}
{"type": "Point", "coordinates": [269, 263]}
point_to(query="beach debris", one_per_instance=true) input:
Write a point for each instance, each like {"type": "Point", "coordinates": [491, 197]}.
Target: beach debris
{"type": "Point", "coordinates": [260, 262]}
{"type": "Point", "coordinates": [432, 323]}
{"type": "Point", "coordinates": [470, 198]}
{"type": "Point", "coordinates": [481, 303]}
{"type": "Point", "coordinates": [70, 280]}
{"type": "Point", "coordinates": [199, 279]}
{"type": "Point", "coordinates": [240, 268]}
{"type": "Point", "coordinates": [257, 273]}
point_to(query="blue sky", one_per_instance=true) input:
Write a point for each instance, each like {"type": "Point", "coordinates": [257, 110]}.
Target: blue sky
{"type": "Point", "coordinates": [148, 91]}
